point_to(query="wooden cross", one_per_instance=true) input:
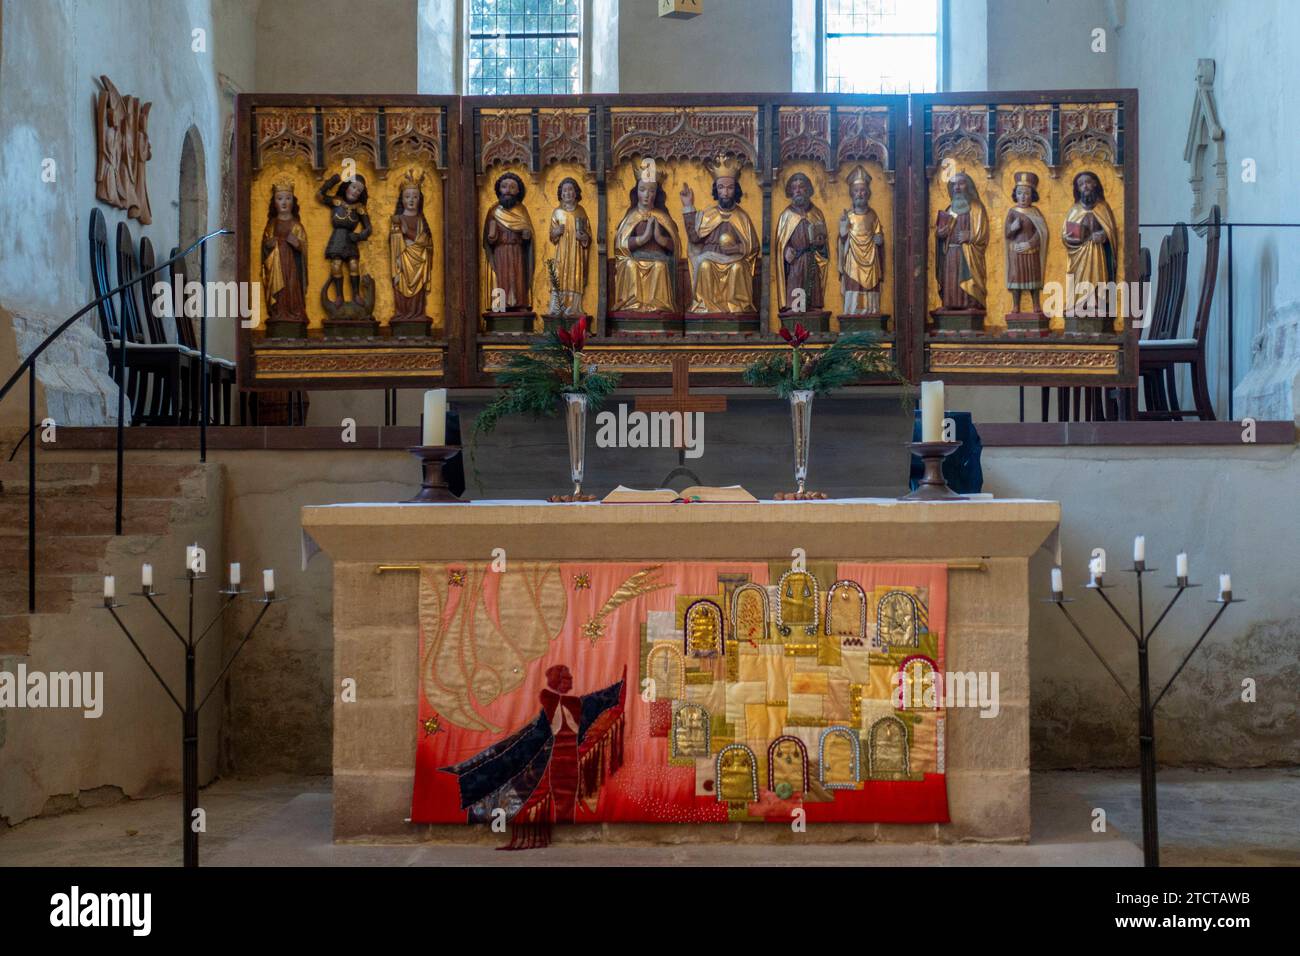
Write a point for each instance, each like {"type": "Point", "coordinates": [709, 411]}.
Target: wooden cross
{"type": "Point", "coordinates": [681, 400]}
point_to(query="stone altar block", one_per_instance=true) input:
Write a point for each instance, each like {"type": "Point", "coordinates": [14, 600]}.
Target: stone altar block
{"type": "Point", "coordinates": [986, 543]}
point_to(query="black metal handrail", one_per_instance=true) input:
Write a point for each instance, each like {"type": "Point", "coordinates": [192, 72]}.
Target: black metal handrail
{"type": "Point", "coordinates": [28, 366]}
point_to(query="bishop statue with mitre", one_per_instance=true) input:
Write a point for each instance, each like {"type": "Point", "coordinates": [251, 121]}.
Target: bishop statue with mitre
{"type": "Point", "coordinates": [722, 244]}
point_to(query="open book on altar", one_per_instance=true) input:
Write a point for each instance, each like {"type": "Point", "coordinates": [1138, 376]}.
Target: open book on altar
{"type": "Point", "coordinates": [623, 495]}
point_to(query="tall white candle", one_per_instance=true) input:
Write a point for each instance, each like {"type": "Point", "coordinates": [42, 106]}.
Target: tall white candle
{"type": "Point", "coordinates": [932, 411]}
{"type": "Point", "coordinates": [268, 581]}
{"type": "Point", "coordinates": [1139, 548]}
{"type": "Point", "coordinates": [435, 417]}
{"type": "Point", "coordinates": [1225, 585]}
{"type": "Point", "coordinates": [1057, 585]}
{"type": "Point", "coordinates": [146, 576]}
{"type": "Point", "coordinates": [234, 575]}
{"type": "Point", "coordinates": [1181, 565]}
{"type": "Point", "coordinates": [110, 587]}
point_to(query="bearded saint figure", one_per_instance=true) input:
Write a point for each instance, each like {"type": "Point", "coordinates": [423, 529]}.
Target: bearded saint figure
{"type": "Point", "coordinates": [723, 245]}
{"type": "Point", "coordinates": [961, 241]}
{"type": "Point", "coordinates": [508, 245]}
{"type": "Point", "coordinates": [801, 246]}
{"type": "Point", "coordinates": [1092, 243]}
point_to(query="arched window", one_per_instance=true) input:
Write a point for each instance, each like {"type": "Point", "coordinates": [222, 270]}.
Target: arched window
{"type": "Point", "coordinates": [523, 46]}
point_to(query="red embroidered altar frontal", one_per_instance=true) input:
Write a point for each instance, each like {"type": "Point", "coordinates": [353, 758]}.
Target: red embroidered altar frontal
{"type": "Point", "coordinates": [689, 692]}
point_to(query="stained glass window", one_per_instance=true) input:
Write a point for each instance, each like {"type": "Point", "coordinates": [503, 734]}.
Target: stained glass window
{"type": "Point", "coordinates": [882, 46]}
{"type": "Point", "coordinates": [523, 46]}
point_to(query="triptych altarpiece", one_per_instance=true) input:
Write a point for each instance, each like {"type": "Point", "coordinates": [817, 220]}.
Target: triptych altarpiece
{"type": "Point", "coordinates": [404, 241]}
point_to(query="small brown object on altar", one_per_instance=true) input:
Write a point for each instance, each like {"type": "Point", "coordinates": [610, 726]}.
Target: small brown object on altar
{"type": "Point", "coordinates": [799, 496]}
{"type": "Point", "coordinates": [569, 499]}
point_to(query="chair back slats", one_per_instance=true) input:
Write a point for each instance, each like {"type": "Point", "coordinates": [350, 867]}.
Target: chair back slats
{"type": "Point", "coordinates": [1168, 328]}
{"type": "Point", "coordinates": [184, 325]}
{"type": "Point", "coordinates": [1144, 286]}
{"type": "Point", "coordinates": [1209, 277]}
{"type": "Point", "coordinates": [127, 271]}
{"type": "Point", "coordinates": [153, 323]}
{"type": "Point", "coordinates": [99, 275]}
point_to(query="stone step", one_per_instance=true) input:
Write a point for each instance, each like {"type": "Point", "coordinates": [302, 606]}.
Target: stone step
{"type": "Point", "coordinates": [82, 514]}
{"type": "Point", "coordinates": [99, 479]}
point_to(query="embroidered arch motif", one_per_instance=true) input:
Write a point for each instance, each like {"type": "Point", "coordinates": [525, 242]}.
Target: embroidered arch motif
{"type": "Point", "coordinates": [750, 610]}
{"type": "Point", "coordinates": [797, 776]}
{"type": "Point", "coordinates": [898, 620]}
{"type": "Point", "coordinates": [692, 731]}
{"type": "Point", "coordinates": [736, 773]}
{"type": "Point", "coordinates": [887, 753]}
{"type": "Point", "coordinates": [839, 778]}
{"type": "Point", "coordinates": [913, 690]}
{"type": "Point", "coordinates": [702, 629]}
{"type": "Point", "coordinates": [673, 683]}
{"type": "Point", "coordinates": [797, 603]}
{"type": "Point", "coordinates": [846, 613]}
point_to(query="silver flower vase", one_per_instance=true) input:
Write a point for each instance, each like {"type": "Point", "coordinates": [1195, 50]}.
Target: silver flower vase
{"type": "Point", "coordinates": [801, 424]}
{"type": "Point", "coordinates": [575, 420]}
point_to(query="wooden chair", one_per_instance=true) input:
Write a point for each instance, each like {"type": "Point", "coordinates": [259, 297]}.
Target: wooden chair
{"type": "Point", "coordinates": [146, 364]}
{"type": "Point", "coordinates": [1171, 287]}
{"type": "Point", "coordinates": [221, 372]}
{"type": "Point", "coordinates": [1159, 357]}
{"type": "Point", "coordinates": [171, 364]}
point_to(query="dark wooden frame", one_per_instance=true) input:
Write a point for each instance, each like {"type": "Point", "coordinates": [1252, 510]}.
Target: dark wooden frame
{"type": "Point", "coordinates": [922, 242]}
{"type": "Point", "coordinates": [659, 350]}
{"type": "Point", "coordinates": [463, 346]}
{"type": "Point", "coordinates": [450, 343]}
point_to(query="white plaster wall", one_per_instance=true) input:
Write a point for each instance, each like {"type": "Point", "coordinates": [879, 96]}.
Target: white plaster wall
{"type": "Point", "coordinates": [1257, 86]}
{"type": "Point", "coordinates": [53, 53]}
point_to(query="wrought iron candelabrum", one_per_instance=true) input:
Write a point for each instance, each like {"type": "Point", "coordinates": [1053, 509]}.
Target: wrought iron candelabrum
{"type": "Point", "coordinates": [1145, 704]}
{"type": "Point", "coordinates": [188, 707]}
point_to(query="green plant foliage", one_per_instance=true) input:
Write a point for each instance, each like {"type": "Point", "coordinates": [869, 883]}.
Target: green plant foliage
{"type": "Point", "coordinates": [848, 359]}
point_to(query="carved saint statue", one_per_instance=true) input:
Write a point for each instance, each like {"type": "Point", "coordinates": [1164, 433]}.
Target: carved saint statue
{"type": "Point", "coordinates": [410, 252]}
{"type": "Point", "coordinates": [508, 244]}
{"type": "Point", "coordinates": [570, 233]}
{"type": "Point", "coordinates": [350, 226]}
{"type": "Point", "coordinates": [1025, 230]}
{"type": "Point", "coordinates": [801, 246]}
{"type": "Point", "coordinates": [284, 258]}
{"type": "Point", "coordinates": [645, 252]}
{"type": "Point", "coordinates": [961, 241]}
{"type": "Point", "coordinates": [861, 249]}
{"type": "Point", "coordinates": [723, 244]}
{"type": "Point", "coordinates": [1092, 242]}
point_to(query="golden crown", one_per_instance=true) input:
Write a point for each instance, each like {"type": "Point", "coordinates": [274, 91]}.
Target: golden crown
{"type": "Point", "coordinates": [859, 175]}
{"type": "Point", "coordinates": [725, 167]}
{"type": "Point", "coordinates": [1027, 179]}
{"type": "Point", "coordinates": [284, 186]}
{"type": "Point", "coordinates": [410, 180]}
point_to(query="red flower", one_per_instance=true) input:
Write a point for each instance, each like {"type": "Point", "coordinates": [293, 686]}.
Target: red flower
{"type": "Point", "coordinates": [575, 337]}
{"type": "Point", "coordinates": [799, 337]}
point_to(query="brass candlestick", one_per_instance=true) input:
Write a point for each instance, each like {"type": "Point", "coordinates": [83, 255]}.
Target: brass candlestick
{"type": "Point", "coordinates": [434, 459]}
{"type": "Point", "coordinates": [933, 486]}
